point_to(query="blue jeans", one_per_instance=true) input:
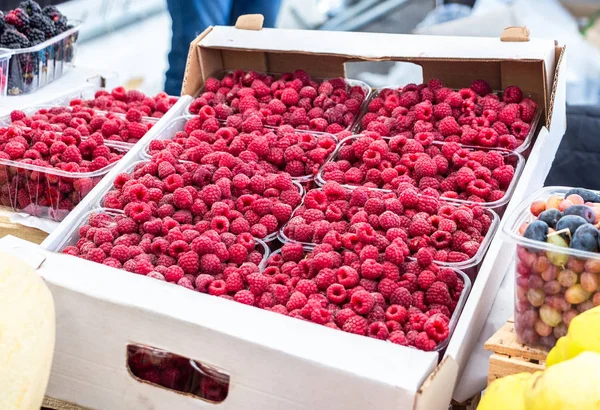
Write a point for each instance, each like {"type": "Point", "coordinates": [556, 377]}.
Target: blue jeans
{"type": "Point", "coordinates": [192, 17]}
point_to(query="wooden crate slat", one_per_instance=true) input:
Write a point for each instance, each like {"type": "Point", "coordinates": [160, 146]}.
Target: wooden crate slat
{"type": "Point", "coordinates": [501, 366]}
{"type": "Point", "coordinates": [504, 341]}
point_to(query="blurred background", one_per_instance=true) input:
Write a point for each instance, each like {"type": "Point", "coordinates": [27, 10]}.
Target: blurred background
{"type": "Point", "coordinates": [133, 37]}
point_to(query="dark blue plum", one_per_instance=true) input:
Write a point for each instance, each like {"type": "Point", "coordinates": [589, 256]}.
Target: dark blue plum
{"type": "Point", "coordinates": [585, 238]}
{"type": "Point", "coordinates": [583, 211]}
{"type": "Point", "coordinates": [588, 196]}
{"type": "Point", "coordinates": [570, 222]}
{"type": "Point", "coordinates": [537, 230]}
{"type": "Point", "coordinates": [550, 216]}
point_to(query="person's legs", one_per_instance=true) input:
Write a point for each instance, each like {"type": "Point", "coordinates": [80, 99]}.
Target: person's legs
{"type": "Point", "coordinates": [268, 8]}
{"type": "Point", "coordinates": [190, 18]}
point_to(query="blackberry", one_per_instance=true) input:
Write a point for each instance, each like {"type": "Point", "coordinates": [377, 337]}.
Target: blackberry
{"type": "Point", "coordinates": [11, 38]}
{"type": "Point", "coordinates": [31, 7]}
{"type": "Point", "coordinates": [17, 18]}
{"type": "Point", "coordinates": [2, 23]}
{"type": "Point", "coordinates": [35, 36]}
{"type": "Point", "coordinates": [43, 23]}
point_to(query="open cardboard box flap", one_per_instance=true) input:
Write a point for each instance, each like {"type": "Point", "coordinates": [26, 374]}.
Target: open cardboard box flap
{"type": "Point", "coordinates": [455, 60]}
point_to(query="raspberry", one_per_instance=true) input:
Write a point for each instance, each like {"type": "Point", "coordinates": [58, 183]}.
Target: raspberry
{"type": "Point", "coordinates": [174, 273]}
{"type": "Point", "coordinates": [347, 277]}
{"type": "Point", "coordinates": [423, 342]}
{"type": "Point", "coordinates": [396, 313]}
{"type": "Point", "coordinates": [398, 338]}
{"type": "Point", "coordinates": [244, 296]}
{"type": "Point", "coordinates": [189, 262]}
{"type": "Point", "coordinates": [504, 175]}
{"type": "Point", "coordinates": [297, 300]}
{"type": "Point", "coordinates": [356, 324]}
{"type": "Point", "coordinates": [401, 296]}
{"type": "Point", "coordinates": [481, 87]}
{"type": "Point", "coordinates": [438, 294]}
{"type": "Point", "coordinates": [362, 302]}
{"type": "Point", "coordinates": [509, 114]}
{"type": "Point", "coordinates": [419, 227]}
{"type": "Point", "coordinates": [449, 277]}
{"type": "Point", "coordinates": [512, 94]}
{"type": "Point", "coordinates": [436, 328]}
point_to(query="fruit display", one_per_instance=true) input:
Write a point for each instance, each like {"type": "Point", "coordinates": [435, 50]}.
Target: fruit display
{"type": "Point", "coordinates": [27, 326]}
{"type": "Point", "coordinates": [449, 169]}
{"type": "Point", "coordinates": [296, 99]}
{"type": "Point", "coordinates": [557, 264]}
{"type": "Point", "coordinates": [132, 103]}
{"type": "Point", "coordinates": [47, 173]}
{"type": "Point", "coordinates": [473, 116]}
{"type": "Point", "coordinates": [83, 121]}
{"type": "Point", "coordinates": [234, 198]}
{"type": "Point", "coordinates": [368, 292]}
{"type": "Point", "coordinates": [298, 153]}
{"type": "Point", "coordinates": [43, 41]}
{"type": "Point", "coordinates": [359, 219]}
{"type": "Point", "coordinates": [568, 385]}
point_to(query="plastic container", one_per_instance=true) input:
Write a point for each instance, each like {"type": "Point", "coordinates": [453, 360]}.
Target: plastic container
{"type": "Point", "coordinates": [130, 169]}
{"type": "Point", "coordinates": [46, 192]}
{"type": "Point", "coordinates": [160, 367]}
{"type": "Point", "coordinates": [499, 206]}
{"type": "Point", "coordinates": [178, 124]}
{"type": "Point", "coordinates": [350, 83]}
{"type": "Point", "coordinates": [4, 63]}
{"type": "Point", "coordinates": [33, 67]}
{"type": "Point", "coordinates": [523, 149]}
{"type": "Point", "coordinates": [455, 315]}
{"type": "Point", "coordinates": [469, 267]}
{"type": "Point", "coordinates": [544, 275]}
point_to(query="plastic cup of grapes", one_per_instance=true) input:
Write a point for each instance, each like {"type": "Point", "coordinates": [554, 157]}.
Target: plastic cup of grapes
{"type": "Point", "coordinates": [557, 265]}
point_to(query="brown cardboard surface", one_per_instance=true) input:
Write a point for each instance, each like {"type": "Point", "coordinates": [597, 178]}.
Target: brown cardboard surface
{"type": "Point", "coordinates": [515, 34]}
{"type": "Point", "coordinates": [250, 22]}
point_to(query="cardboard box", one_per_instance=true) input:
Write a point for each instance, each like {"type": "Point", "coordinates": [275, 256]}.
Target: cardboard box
{"type": "Point", "coordinates": [276, 362]}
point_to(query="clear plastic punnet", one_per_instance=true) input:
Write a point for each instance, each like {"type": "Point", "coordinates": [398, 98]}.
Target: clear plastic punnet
{"type": "Point", "coordinates": [33, 67]}
{"type": "Point", "coordinates": [553, 282]}
{"type": "Point", "coordinates": [524, 148]}
{"type": "Point", "coordinates": [499, 206]}
{"type": "Point", "coordinates": [4, 62]}
{"type": "Point", "coordinates": [453, 319]}
{"type": "Point", "coordinates": [349, 84]}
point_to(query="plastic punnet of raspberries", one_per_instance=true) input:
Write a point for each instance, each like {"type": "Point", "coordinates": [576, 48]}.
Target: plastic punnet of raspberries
{"type": "Point", "coordinates": [85, 121]}
{"type": "Point", "coordinates": [175, 253]}
{"type": "Point", "coordinates": [133, 103]}
{"type": "Point", "coordinates": [473, 116]}
{"type": "Point", "coordinates": [47, 173]}
{"type": "Point", "coordinates": [400, 225]}
{"type": "Point", "coordinates": [371, 297]}
{"type": "Point", "coordinates": [291, 98]}
{"type": "Point", "coordinates": [224, 194]}
{"type": "Point", "coordinates": [449, 169]}
{"type": "Point", "coordinates": [299, 153]}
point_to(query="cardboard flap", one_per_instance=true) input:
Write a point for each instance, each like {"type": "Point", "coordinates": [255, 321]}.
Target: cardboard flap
{"type": "Point", "coordinates": [250, 22]}
{"type": "Point", "coordinates": [436, 391]}
{"type": "Point", "coordinates": [515, 34]}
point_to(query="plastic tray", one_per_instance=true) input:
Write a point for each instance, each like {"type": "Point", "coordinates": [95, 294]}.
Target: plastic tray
{"type": "Point", "coordinates": [498, 206]}
{"type": "Point", "coordinates": [24, 187]}
{"type": "Point", "coordinates": [71, 238]}
{"type": "Point", "coordinates": [522, 149]}
{"type": "Point", "coordinates": [455, 315]}
{"type": "Point", "coordinates": [530, 252]}
{"type": "Point", "coordinates": [178, 124]}
{"type": "Point", "coordinates": [33, 67]}
{"type": "Point", "coordinates": [349, 82]}
{"type": "Point", "coordinates": [4, 64]}
{"type": "Point", "coordinates": [470, 266]}
{"type": "Point", "coordinates": [129, 170]}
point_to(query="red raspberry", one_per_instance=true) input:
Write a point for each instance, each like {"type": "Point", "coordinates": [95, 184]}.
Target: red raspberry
{"type": "Point", "coordinates": [401, 296]}
{"type": "Point", "coordinates": [356, 324]}
{"type": "Point", "coordinates": [409, 198]}
{"type": "Point", "coordinates": [423, 342]}
{"type": "Point", "coordinates": [370, 269]}
{"type": "Point", "coordinates": [139, 212]}
{"type": "Point", "coordinates": [436, 328]}
{"type": "Point", "coordinates": [396, 313]}
{"type": "Point", "coordinates": [362, 302]}
{"type": "Point", "coordinates": [438, 294]}
{"type": "Point", "coordinates": [481, 87]}
{"type": "Point", "coordinates": [419, 227]}
{"type": "Point", "coordinates": [189, 262]}
{"type": "Point", "coordinates": [479, 188]}
{"type": "Point", "coordinates": [512, 94]}
{"type": "Point", "coordinates": [449, 277]}
{"type": "Point", "coordinates": [173, 273]}
{"type": "Point", "coordinates": [448, 126]}
{"type": "Point", "coordinates": [509, 114]}
{"type": "Point", "coordinates": [378, 330]}
{"type": "Point", "coordinates": [347, 277]}
{"type": "Point", "coordinates": [306, 287]}
{"type": "Point", "coordinates": [297, 300]}
{"type": "Point", "coordinates": [336, 293]}
{"type": "Point", "coordinates": [244, 296]}
{"type": "Point", "coordinates": [136, 130]}
{"type": "Point", "coordinates": [398, 338]}
{"type": "Point", "coordinates": [424, 257]}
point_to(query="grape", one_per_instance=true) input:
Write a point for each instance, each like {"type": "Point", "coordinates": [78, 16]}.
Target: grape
{"type": "Point", "coordinates": [558, 258]}
{"type": "Point", "coordinates": [576, 265]}
{"type": "Point", "coordinates": [569, 315]}
{"type": "Point", "coordinates": [596, 299]}
{"type": "Point", "coordinates": [535, 297]}
{"type": "Point", "coordinates": [560, 330]}
{"type": "Point", "coordinates": [540, 264]}
{"type": "Point", "coordinates": [587, 305]}
{"type": "Point", "coordinates": [576, 294]}
{"type": "Point", "coordinates": [535, 282]}
{"type": "Point", "coordinates": [589, 281]}
{"type": "Point", "coordinates": [567, 278]}
{"type": "Point", "coordinates": [542, 328]}
{"type": "Point", "coordinates": [551, 288]}
{"type": "Point", "coordinates": [592, 265]}
{"type": "Point", "coordinates": [550, 274]}
{"type": "Point", "coordinates": [558, 302]}
{"type": "Point", "coordinates": [550, 316]}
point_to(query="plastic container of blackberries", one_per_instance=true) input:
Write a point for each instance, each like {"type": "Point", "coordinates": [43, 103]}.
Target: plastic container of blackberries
{"type": "Point", "coordinates": [47, 192]}
{"type": "Point", "coordinates": [178, 124]}
{"type": "Point", "coordinates": [470, 267]}
{"type": "Point", "coordinates": [33, 67]}
{"type": "Point", "coordinates": [523, 149]}
{"type": "Point", "coordinates": [553, 284]}
{"type": "Point", "coordinates": [499, 206]}
{"type": "Point", "coordinates": [349, 84]}
{"type": "Point", "coordinates": [72, 236]}
{"type": "Point", "coordinates": [453, 319]}
{"type": "Point", "coordinates": [269, 239]}
{"type": "Point", "coordinates": [4, 63]}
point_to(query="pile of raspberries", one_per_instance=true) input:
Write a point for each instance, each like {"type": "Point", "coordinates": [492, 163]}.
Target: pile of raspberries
{"type": "Point", "coordinates": [133, 103]}
{"type": "Point", "coordinates": [65, 155]}
{"type": "Point", "coordinates": [360, 218]}
{"type": "Point", "coordinates": [397, 163]}
{"type": "Point", "coordinates": [298, 153]}
{"type": "Point", "coordinates": [470, 116]}
{"type": "Point", "coordinates": [86, 122]}
{"type": "Point", "coordinates": [29, 25]}
{"type": "Point", "coordinates": [366, 292]}
{"type": "Point", "coordinates": [227, 196]}
{"type": "Point", "coordinates": [291, 98]}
